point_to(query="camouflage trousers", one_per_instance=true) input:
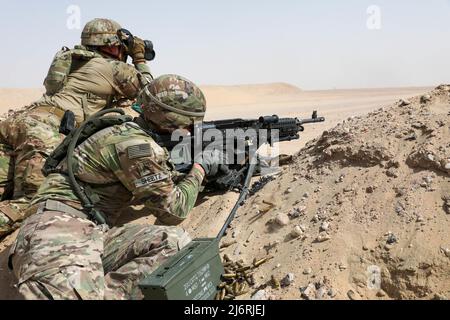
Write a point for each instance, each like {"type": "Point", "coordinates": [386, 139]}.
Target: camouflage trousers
{"type": "Point", "coordinates": [60, 256]}
{"type": "Point", "coordinates": [26, 139]}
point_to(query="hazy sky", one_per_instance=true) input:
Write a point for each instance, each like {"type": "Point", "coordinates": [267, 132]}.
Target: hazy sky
{"type": "Point", "coordinates": [318, 44]}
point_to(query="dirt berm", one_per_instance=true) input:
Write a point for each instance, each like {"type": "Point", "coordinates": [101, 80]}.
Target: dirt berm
{"type": "Point", "coordinates": [363, 212]}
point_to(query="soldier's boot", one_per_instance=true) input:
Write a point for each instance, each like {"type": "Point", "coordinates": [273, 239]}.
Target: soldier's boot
{"type": "Point", "coordinates": [12, 213]}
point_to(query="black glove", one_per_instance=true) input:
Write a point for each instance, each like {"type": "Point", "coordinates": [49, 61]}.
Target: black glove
{"type": "Point", "coordinates": [210, 162]}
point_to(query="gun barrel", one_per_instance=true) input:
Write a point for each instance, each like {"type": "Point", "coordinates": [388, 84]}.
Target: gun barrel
{"type": "Point", "coordinates": [313, 120]}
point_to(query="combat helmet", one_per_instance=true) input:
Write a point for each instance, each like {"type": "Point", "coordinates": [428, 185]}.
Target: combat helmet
{"type": "Point", "coordinates": [101, 32]}
{"type": "Point", "coordinates": [172, 102]}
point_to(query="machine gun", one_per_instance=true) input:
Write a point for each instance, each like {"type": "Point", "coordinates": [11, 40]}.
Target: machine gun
{"type": "Point", "coordinates": [194, 273]}
{"type": "Point", "coordinates": [237, 139]}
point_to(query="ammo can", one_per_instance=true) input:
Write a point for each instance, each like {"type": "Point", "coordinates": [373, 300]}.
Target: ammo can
{"type": "Point", "coordinates": [191, 274]}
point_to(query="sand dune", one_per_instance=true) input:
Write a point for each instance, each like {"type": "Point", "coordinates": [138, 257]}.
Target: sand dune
{"type": "Point", "coordinates": [216, 95]}
{"type": "Point", "coordinates": [245, 94]}
{"type": "Point", "coordinates": [252, 101]}
{"type": "Point", "coordinates": [16, 98]}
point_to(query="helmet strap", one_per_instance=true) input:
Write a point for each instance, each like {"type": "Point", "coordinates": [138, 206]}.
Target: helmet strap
{"type": "Point", "coordinates": [170, 108]}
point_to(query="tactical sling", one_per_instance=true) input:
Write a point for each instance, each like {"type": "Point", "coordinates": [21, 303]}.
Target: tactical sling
{"type": "Point", "coordinates": [66, 149]}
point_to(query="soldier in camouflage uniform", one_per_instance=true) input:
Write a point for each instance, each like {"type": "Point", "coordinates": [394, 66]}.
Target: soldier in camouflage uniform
{"type": "Point", "coordinates": [93, 81]}
{"type": "Point", "coordinates": [62, 254]}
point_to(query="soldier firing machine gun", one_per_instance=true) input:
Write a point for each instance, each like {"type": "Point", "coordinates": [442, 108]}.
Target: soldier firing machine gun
{"type": "Point", "coordinates": [194, 273]}
{"type": "Point", "coordinates": [238, 139]}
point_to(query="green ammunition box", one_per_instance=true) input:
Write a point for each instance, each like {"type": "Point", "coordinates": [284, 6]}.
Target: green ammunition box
{"type": "Point", "coordinates": [192, 274]}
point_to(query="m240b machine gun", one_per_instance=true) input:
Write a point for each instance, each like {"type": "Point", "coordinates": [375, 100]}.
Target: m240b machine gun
{"type": "Point", "coordinates": [195, 272]}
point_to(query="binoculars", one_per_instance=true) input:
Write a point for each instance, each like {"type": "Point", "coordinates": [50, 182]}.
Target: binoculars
{"type": "Point", "coordinates": [127, 39]}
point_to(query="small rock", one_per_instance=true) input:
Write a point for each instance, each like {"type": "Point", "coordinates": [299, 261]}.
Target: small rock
{"type": "Point", "coordinates": [303, 227]}
{"type": "Point", "coordinates": [323, 237]}
{"type": "Point", "coordinates": [288, 191]}
{"type": "Point", "coordinates": [287, 280]}
{"type": "Point", "coordinates": [309, 292]}
{"type": "Point", "coordinates": [404, 102]}
{"type": "Point", "coordinates": [446, 252]}
{"type": "Point", "coordinates": [439, 296]}
{"type": "Point", "coordinates": [425, 98]}
{"type": "Point", "coordinates": [297, 232]}
{"type": "Point", "coordinates": [260, 295]}
{"type": "Point", "coordinates": [447, 166]}
{"type": "Point", "coordinates": [430, 157]}
{"type": "Point", "coordinates": [446, 200]}
{"type": "Point", "coordinates": [392, 173]}
{"type": "Point", "coordinates": [370, 189]}
{"type": "Point", "coordinates": [419, 218]}
{"type": "Point", "coordinates": [332, 293]}
{"type": "Point", "coordinates": [321, 292]}
{"type": "Point", "coordinates": [342, 267]}
{"type": "Point", "coordinates": [391, 239]}
{"type": "Point", "coordinates": [324, 226]}
{"type": "Point", "coordinates": [282, 219]}
{"type": "Point", "coordinates": [352, 295]}
{"type": "Point", "coordinates": [428, 179]}
{"type": "Point", "coordinates": [307, 271]}
{"type": "Point", "coordinates": [315, 219]}
{"type": "Point", "coordinates": [365, 248]}
{"type": "Point", "coordinates": [381, 293]}
{"type": "Point", "coordinates": [399, 191]}
{"type": "Point", "coordinates": [306, 195]}
{"type": "Point", "coordinates": [349, 189]}
{"type": "Point", "coordinates": [340, 179]}
{"type": "Point", "coordinates": [411, 137]}
{"type": "Point", "coordinates": [297, 212]}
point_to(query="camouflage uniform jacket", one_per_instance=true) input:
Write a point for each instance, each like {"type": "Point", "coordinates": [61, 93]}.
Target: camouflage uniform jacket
{"type": "Point", "coordinates": [94, 84]}
{"type": "Point", "coordinates": [123, 164]}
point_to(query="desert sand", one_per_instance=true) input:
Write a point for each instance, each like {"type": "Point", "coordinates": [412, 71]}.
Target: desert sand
{"type": "Point", "coordinates": [360, 195]}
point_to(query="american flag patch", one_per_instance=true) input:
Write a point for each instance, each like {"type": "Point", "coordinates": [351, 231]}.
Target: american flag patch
{"type": "Point", "coordinates": [139, 151]}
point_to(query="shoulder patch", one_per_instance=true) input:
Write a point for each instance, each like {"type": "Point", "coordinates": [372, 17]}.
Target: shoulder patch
{"type": "Point", "coordinates": [148, 180]}
{"type": "Point", "coordinates": [139, 151]}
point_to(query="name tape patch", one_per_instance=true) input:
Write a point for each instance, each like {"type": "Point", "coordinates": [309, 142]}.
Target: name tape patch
{"type": "Point", "coordinates": [148, 180]}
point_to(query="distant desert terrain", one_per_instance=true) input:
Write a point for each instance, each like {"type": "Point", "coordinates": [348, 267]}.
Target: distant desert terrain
{"type": "Point", "coordinates": [285, 100]}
